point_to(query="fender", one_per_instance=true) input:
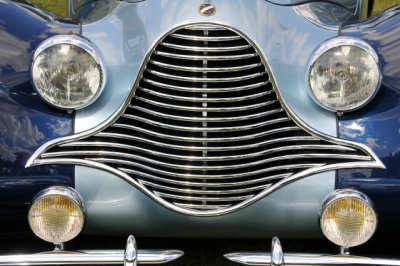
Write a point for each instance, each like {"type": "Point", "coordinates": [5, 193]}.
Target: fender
{"type": "Point", "coordinates": [26, 122]}
{"type": "Point", "coordinates": [378, 124]}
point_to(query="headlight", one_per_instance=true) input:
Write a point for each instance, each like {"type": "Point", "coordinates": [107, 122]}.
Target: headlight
{"type": "Point", "coordinates": [348, 218]}
{"type": "Point", "coordinates": [344, 74]}
{"type": "Point", "coordinates": [68, 72]}
{"type": "Point", "coordinates": [57, 214]}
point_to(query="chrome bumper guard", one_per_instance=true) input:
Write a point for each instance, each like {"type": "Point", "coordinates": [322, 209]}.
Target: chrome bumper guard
{"type": "Point", "coordinates": [277, 258]}
{"type": "Point", "coordinates": [131, 256]}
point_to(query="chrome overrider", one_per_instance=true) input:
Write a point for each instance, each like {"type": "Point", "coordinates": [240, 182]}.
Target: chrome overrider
{"type": "Point", "coordinates": [131, 256]}
{"type": "Point", "coordinates": [278, 258]}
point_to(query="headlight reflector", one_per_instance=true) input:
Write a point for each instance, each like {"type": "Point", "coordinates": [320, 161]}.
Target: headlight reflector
{"type": "Point", "coordinates": [344, 74]}
{"type": "Point", "coordinates": [57, 214]}
{"type": "Point", "coordinates": [68, 72]}
{"type": "Point", "coordinates": [348, 218]}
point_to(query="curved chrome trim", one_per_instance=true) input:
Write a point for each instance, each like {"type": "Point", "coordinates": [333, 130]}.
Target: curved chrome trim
{"type": "Point", "coordinates": [205, 192]}
{"type": "Point", "coordinates": [82, 43]}
{"type": "Point", "coordinates": [196, 148]}
{"type": "Point", "coordinates": [205, 100]}
{"type": "Point", "coordinates": [206, 119]}
{"type": "Point", "coordinates": [63, 191]}
{"type": "Point", "coordinates": [346, 194]}
{"type": "Point", "coordinates": [190, 89]}
{"type": "Point", "coordinates": [374, 163]}
{"type": "Point", "coordinates": [205, 57]}
{"type": "Point", "coordinates": [208, 199]}
{"type": "Point", "coordinates": [207, 129]}
{"type": "Point", "coordinates": [210, 80]}
{"type": "Point", "coordinates": [206, 109]}
{"type": "Point", "coordinates": [336, 42]}
{"type": "Point", "coordinates": [202, 207]}
{"type": "Point", "coordinates": [228, 139]}
{"type": "Point", "coordinates": [210, 185]}
{"type": "Point", "coordinates": [205, 69]}
{"type": "Point", "coordinates": [206, 49]}
{"type": "Point", "coordinates": [204, 38]}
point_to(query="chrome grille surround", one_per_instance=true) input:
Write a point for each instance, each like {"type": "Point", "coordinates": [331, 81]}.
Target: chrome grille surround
{"type": "Point", "coordinates": [205, 131]}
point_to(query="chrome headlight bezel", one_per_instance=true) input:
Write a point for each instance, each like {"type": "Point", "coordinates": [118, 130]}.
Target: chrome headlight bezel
{"type": "Point", "coordinates": [334, 43]}
{"type": "Point", "coordinates": [82, 43]}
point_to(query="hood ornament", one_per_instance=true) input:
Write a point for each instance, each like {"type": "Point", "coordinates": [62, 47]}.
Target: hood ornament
{"type": "Point", "coordinates": [207, 9]}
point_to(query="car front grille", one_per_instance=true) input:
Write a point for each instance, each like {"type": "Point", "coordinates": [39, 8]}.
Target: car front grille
{"type": "Point", "coordinates": [204, 130]}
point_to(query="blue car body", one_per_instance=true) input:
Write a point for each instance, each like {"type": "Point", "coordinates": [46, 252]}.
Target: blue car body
{"type": "Point", "coordinates": [126, 33]}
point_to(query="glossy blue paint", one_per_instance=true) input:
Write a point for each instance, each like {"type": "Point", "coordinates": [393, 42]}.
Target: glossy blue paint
{"type": "Point", "coordinates": [378, 123]}
{"type": "Point", "coordinates": [26, 122]}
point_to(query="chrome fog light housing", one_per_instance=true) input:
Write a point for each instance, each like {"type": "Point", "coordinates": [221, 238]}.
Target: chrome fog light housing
{"type": "Point", "coordinates": [344, 74]}
{"type": "Point", "coordinates": [68, 72]}
{"type": "Point", "coordinates": [348, 218]}
{"type": "Point", "coordinates": [57, 214]}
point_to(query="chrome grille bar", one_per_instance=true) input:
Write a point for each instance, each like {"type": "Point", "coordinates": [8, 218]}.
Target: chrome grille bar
{"type": "Point", "coordinates": [204, 130]}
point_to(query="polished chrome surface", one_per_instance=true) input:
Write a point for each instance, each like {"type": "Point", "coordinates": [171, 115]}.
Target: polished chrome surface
{"type": "Point", "coordinates": [90, 257]}
{"type": "Point", "coordinates": [265, 148]}
{"type": "Point", "coordinates": [130, 254]}
{"type": "Point", "coordinates": [84, 44]}
{"type": "Point", "coordinates": [258, 258]}
{"type": "Point", "coordinates": [277, 258]}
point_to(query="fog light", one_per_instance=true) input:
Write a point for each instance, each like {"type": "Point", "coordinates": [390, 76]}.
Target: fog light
{"type": "Point", "coordinates": [57, 214]}
{"type": "Point", "coordinates": [348, 218]}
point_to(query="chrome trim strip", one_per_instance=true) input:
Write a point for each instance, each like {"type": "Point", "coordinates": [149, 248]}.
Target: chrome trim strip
{"type": "Point", "coordinates": [205, 57]}
{"type": "Point", "coordinates": [207, 129]}
{"type": "Point", "coordinates": [92, 257]}
{"type": "Point", "coordinates": [205, 38]}
{"type": "Point", "coordinates": [205, 192]}
{"type": "Point", "coordinates": [198, 26]}
{"type": "Point", "coordinates": [277, 258]}
{"type": "Point", "coordinates": [210, 199]}
{"type": "Point", "coordinates": [205, 69]}
{"type": "Point", "coordinates": [190, 167]}
{"type": "Point", "coordinates": [205, 119]}
{"type": "Point", "coordinates": [205, 49]}
{"type": "Point", "coordinates": [374, 161]}
{"type": "Point", "coordinates": [210, 158]}
{"type": "Point", "coordinates": [179, 138]}
{"type": "Point", "coordinates": [202, 207]}
{"type": "Point", "coordinates": [206, 109]}
{"type": "Point", "coordinates": [206, 100]}
{"type": "Point", "coordinates": [194, 79]}
{"type": "Point", "coordinates": [202, 148]}
{"type": "Point", "coordinates": [191, 89]}
{"type": "Point", "coordinates": [259, 258]}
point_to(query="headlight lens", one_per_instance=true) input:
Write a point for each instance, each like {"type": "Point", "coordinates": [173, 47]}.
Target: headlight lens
{"type": "Point", "coordinates": [68, 72]}
{"type": "Point", "coordinates": [344, 74]}
{"type": "Point", "coordinates": [57, 214]}
{"type": "Point", "coordinates": [348, 218]}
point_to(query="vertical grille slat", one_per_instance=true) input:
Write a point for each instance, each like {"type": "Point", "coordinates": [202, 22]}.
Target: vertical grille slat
{"type": "Point", "coordinates": [204, 129]}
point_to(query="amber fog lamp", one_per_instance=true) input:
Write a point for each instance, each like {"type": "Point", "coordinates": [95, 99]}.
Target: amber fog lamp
{"type": "Point", "coordinates": [348, 218]}
{"type": "Point", "coordinates": [57, 214]}
{"type": "Point", "coordinates": [344, 74]}
{"type": "Point", "coordinates": [68, 72]}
